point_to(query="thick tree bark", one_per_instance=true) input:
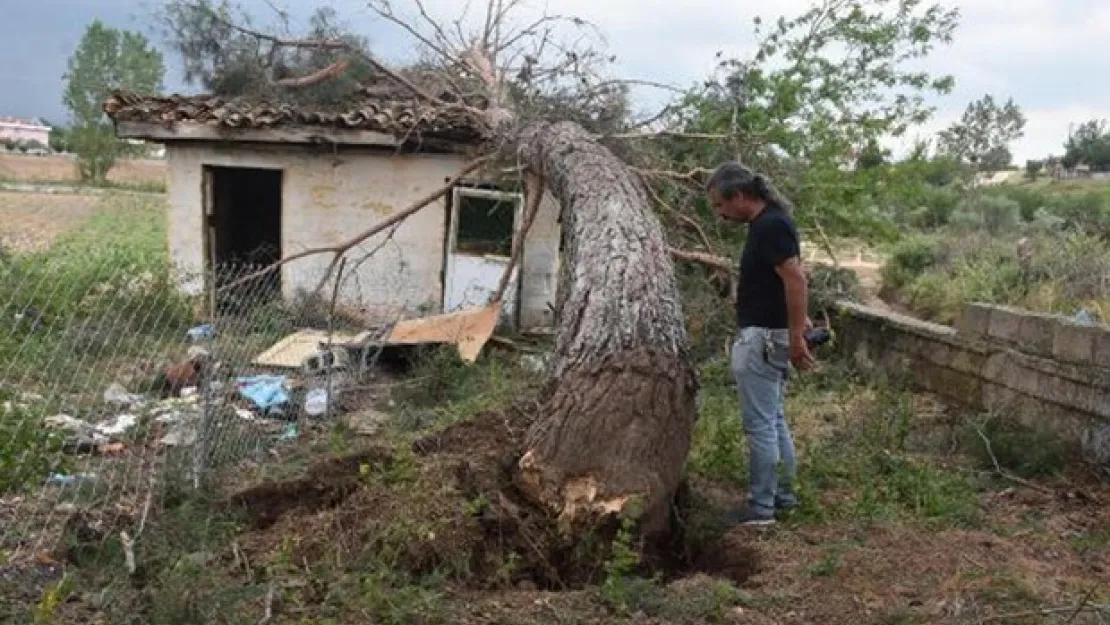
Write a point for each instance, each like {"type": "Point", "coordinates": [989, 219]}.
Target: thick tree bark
{"type": "Point", "coordinates": [619, 408]}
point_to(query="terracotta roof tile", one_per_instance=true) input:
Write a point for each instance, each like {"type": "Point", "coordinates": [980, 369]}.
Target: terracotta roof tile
{"type": "Point", "coordinates": [373, 110]}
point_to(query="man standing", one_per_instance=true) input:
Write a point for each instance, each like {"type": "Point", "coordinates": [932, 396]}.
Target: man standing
{"type": "Point", "coordinates": [771, 305]}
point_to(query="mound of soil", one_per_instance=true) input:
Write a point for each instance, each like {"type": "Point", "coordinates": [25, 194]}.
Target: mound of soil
{"type": "Point", "coordinates": [448, 506]}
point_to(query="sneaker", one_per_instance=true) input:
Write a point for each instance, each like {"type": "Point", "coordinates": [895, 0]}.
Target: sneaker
{"type": "Point", "coordinates": [749, 516]}
{"type": "Point", "coordinates": [786, 505]}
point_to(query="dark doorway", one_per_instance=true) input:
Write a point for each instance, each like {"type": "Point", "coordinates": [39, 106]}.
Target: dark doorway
{"type": "Point", "coordinates": [244, 224]}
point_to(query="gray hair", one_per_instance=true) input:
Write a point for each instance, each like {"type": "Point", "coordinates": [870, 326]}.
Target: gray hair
{"type": "Point", "coordinates": [731, 178]}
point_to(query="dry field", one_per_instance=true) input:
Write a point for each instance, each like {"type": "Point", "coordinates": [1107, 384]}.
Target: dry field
{"type": "Point", "coordinates": [30, 222]}
{"type": "Point", "coordinates": [61, 169]}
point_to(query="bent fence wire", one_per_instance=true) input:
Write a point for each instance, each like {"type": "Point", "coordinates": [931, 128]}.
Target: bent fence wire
{"type": "Point", "coordinates": [118, 393]}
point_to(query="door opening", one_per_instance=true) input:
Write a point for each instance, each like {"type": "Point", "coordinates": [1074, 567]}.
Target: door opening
{"type": "Point", "coordinates": [479, 245]}
{"type": "Point", "coordinates": [243, 234]}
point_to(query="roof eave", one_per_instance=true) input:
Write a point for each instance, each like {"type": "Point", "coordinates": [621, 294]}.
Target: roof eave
{"type": "Point", "coordinates": [295, 135]}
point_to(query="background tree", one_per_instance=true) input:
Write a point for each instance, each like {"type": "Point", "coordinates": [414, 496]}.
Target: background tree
{"type": "Point", "coordinates": [1033, 169]}
{"type": "Point", "coordinates": [1089, 144]}
{"type": "Point", "coordinates": [983, 134]}
{"type": "Point", "coordinates": [105, 59]}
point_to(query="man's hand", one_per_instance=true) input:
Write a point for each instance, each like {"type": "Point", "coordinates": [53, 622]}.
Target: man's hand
{"type": "Point", "coordinates": [809, 323]}
{"type": "Point", "coordinates": [800, 355]}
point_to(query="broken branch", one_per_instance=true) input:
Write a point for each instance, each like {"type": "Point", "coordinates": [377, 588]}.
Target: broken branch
{"type": "Point", "coordinates": [1003, 472]}
{"type": "Point", "coordinates": [709, 260]}
{"type": "Point", "coordinates": [694, 175]}
{"type": "Point", "coordinates": [342, 248]}
{"type": "Point", "coordinates": [128, 552]}
{"type": "Point", "coordinates": [323, 44]}
{"type": "Point", "coordinates": [684, 218]}
{"type": "Point", "coordinates": [318, 76]}
{"type": "Point", "coordinates": [668, 134]}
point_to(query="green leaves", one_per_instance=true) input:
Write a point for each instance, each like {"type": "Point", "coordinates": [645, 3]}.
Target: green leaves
{"type": "Point", "coordinates": [821, 90]}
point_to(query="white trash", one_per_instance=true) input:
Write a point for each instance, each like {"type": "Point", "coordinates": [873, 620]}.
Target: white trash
{"type": "Point", "coordinates": [316, 402]}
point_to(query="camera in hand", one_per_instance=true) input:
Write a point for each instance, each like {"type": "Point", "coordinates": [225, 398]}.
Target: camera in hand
{"type": "Point", "coordinates": [817, 337]}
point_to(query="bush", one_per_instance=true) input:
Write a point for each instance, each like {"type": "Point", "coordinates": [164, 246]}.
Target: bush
{"type": "Point", "coordinates": [1000, 214]}
{"type": "Point", "coordinates": [827, 285]}
{"type": "Point", "coordinates": [1089, 212]}
{"type": "Point", "coordinates": [909, 260]}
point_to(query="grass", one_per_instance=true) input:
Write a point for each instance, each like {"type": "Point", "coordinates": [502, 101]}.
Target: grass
{"type": "Point", "coordinates": [867, 483]}
{"type": "Point", "coordinates": [851, 465]}
{"type": "Point", "coordinates": [864, 475]}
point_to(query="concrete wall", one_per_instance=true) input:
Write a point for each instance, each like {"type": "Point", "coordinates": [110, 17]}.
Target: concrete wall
{"type": "Point", "coordinates": [327, 198]}
{"type": "Point", "coordinates": [1042, 370]}
{"type": "Point", "coordinates": [540, 267]}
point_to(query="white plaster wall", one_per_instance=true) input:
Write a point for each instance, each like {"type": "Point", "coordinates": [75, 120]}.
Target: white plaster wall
{"type": "Point", "coordinates": [540, 267]}
{"type": "Point", "coordinates": [329, 198]}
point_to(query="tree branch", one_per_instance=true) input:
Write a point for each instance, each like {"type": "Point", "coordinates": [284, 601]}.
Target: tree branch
{"type": "Point", "coordinates": [710, 260]}
{"type": "Point", "coordinates": [344, 247]}
{"type": "Point", "coordinates": [668, 134]}
{"type": "Point", "coordinates": [322, 44]}
{"type": "Point", "coordinates": [684, 218]}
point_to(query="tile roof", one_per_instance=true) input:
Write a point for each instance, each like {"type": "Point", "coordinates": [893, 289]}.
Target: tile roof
{"type": "Point", "coordinates": [373, 108]}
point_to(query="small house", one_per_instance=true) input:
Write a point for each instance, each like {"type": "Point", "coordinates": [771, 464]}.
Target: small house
{"type": "Point", "coordinates": [251, 183]}
{"type": "Point", "coordinates": [24, 131]}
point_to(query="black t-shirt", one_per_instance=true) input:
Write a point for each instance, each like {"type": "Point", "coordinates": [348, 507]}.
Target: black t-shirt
{"type": "Point", "coordinates": [760, 296]}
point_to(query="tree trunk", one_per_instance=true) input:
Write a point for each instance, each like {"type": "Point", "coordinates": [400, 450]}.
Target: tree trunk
{"type": "Point", "coordinates": [619, 407]}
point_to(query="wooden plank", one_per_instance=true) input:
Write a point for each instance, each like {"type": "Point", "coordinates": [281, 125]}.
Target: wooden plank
{"type": "Point", "coordinates": [289, 352]}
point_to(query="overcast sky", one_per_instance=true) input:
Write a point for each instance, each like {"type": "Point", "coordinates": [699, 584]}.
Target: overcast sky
{"type": "Point", "coordinates": [1043, 53]}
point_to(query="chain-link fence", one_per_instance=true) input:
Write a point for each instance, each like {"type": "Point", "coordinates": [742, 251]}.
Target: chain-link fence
{"type": "Point", "coordinates": [120, 392]}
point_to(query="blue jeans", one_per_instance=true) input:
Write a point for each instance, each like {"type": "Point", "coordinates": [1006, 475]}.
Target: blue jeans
{"type": "Point", "coordinates": [760, 360]}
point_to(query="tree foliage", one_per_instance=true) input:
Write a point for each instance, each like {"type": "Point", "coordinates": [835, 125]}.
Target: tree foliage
{"type": "Point", "coordinates": [105, 59]}
{"type": "Point", "coordinates": [1089, 144]}
{"type": "Point", "coordinates": [984, 133]}
{"type": "Point", "coordinates": [222, 53]}
{"type": "Point", "coordinates": [833, 81]}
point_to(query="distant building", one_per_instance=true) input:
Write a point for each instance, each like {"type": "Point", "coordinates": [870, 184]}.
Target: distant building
{"type": "Point", "coordinates": [24, 131]}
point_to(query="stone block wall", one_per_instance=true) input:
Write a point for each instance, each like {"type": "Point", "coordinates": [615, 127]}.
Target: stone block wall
{"type": "Point", "coordinates": [1038, 369]}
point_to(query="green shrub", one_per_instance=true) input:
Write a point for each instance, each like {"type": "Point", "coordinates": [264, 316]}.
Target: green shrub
{"type": "Point", "coordinates": [1000, 214]}
{"type": "Point", "coordinates": [909, 260]}
{"type": "Point", "coordinates": [828, 284]}
{"type": "Point", "coordinates": [1029, 200]}
{"type": "Point", "coordinates": [29, 452]}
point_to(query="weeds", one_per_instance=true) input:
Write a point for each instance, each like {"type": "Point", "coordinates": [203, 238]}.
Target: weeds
{"type": "Point", "coordinates": [443, 389]}
{"type": "Point", "coordinates": [1026, 452]}
{"type": "Point", "coordinates": [973, 256]}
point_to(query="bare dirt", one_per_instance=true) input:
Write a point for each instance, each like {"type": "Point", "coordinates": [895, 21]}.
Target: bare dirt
{"type": "Point", "coordinates": [30, 222]}
{"type": "Point", "coordinates": [60, 168]}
